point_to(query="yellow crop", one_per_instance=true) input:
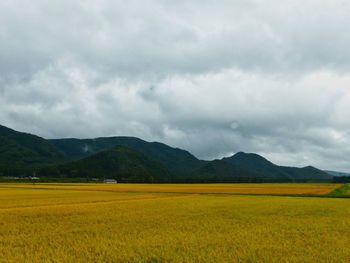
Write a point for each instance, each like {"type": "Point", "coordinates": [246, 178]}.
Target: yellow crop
{"type": "Point", "coordinates": [172, 223]}
{"type": "Point", "coordinates": [277, 189]}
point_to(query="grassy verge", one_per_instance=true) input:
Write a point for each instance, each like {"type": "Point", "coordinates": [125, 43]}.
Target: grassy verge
{"type": "Point", "coordinates": [340, 191]}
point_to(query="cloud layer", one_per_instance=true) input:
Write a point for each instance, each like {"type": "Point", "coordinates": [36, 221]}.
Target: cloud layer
{"type": "Point", "coordinates": [213, 78]}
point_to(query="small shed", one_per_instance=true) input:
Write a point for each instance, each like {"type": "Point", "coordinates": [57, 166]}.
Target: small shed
{"type": "Point", "coordinates": [110, 181]}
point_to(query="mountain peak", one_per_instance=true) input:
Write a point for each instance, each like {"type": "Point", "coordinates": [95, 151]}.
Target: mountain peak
{"type": "Point", "coordinates": [242, 156]}
{"type": "Point", "coordinates": [256, 163]}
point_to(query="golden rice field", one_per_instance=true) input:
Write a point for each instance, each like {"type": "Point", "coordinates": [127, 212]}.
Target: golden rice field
{"type": "Point", "coordinates": [265, 189]}
{"type": "Point", "coordinates": [173, 223]}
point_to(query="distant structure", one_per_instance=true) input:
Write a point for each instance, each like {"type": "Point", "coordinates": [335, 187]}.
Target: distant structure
{"type": "Point", "coordinates": [22, 178]}
{"type": "Point", "coordinates": [34, 178]}
{"type": "Point", "coordinates": [110, 181]}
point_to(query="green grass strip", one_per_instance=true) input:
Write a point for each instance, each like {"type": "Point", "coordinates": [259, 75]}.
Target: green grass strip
{"type": "Point", "coordinates": [340, 191]}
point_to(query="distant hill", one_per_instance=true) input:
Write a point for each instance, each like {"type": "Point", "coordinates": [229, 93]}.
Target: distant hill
{"type": "Point", "coordinates": [307, 174]}
{"type": "Point", "coordinates": [273, 172]}
{"type": "Point", "coordinates": [335, 173]}
{"type": "Point", "coordinates": [259, 165]}
{"type": "Point", "coordinates": [221, 171]}
{"type": "Point", "coordinates": [131, 159]}
{"type": "Point", "coordinates": [19, 149]}
{"type": "Point", "coordinates": [121, 163]}
{"type": "Point", "coordinates": [179, 162]}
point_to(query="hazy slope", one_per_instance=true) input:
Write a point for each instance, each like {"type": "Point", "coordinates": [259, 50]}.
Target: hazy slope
{"type": "Point", "coordinates": [308, 173]}
{"type": "Point", "coordinates": [336, 173]}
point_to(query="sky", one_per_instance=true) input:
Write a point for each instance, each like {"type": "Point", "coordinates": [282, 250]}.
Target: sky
{"type": "Point", "coordinates": [212, 77]}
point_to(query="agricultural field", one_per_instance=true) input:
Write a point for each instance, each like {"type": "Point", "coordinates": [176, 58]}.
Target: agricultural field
{"type": "Point", "coordinates": [252, 189]}
{"type": "Point", "coordinates": [174, 223]}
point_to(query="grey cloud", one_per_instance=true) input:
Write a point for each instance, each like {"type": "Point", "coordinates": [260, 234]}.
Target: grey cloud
{"type": "Point", "coordinates": [159, 38]}
{"type": "Point", "coordinates": [211, 77]}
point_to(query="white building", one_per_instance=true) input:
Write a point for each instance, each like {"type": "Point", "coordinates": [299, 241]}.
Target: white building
{"type": "Point", "coordinates": [110, 181]}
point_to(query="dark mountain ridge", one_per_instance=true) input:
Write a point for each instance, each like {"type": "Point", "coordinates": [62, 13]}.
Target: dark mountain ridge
{"type": "Point", "coordinates": [308, 173]}
{"type": "Point", "coordinates": [23, 149]}
{"type": "Point", "coordinates": [258, 164]}
{"type": "Point", "coordinates": [131, 159]}
{"type": "Point", "coordinates": [122, 163]}
{"type": "Point", "coordinates": [177, 161]}
{"type": "Point", "coordinates": [337, 173]}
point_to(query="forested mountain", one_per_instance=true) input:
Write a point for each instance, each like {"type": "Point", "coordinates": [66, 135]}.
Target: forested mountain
{"type": "Point", "coordinates": [177, 161]}
{"type": "Point", "coordinates": [271, 171]}
{"type": "Point", "coordinates": [308, 173]}
{"type": "Point", "coordinates": [121, 163]}
{"type": "Point", "coordinates": [258, 164]}
{"type": "Point", "coordinates": [131, 159]}
{"type": "Point", "coordinates": [19, 149]}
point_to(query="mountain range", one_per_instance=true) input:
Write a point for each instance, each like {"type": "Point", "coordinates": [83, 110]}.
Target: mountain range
{"type": "Point", "coordinates": [130, 159]}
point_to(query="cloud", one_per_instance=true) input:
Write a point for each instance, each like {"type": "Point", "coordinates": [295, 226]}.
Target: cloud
{"type": "Point", "coordinates": [213, 78]}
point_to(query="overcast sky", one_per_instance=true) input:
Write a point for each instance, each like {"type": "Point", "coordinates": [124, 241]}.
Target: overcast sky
{"type": "Point", "coordinates": [212, 77]}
